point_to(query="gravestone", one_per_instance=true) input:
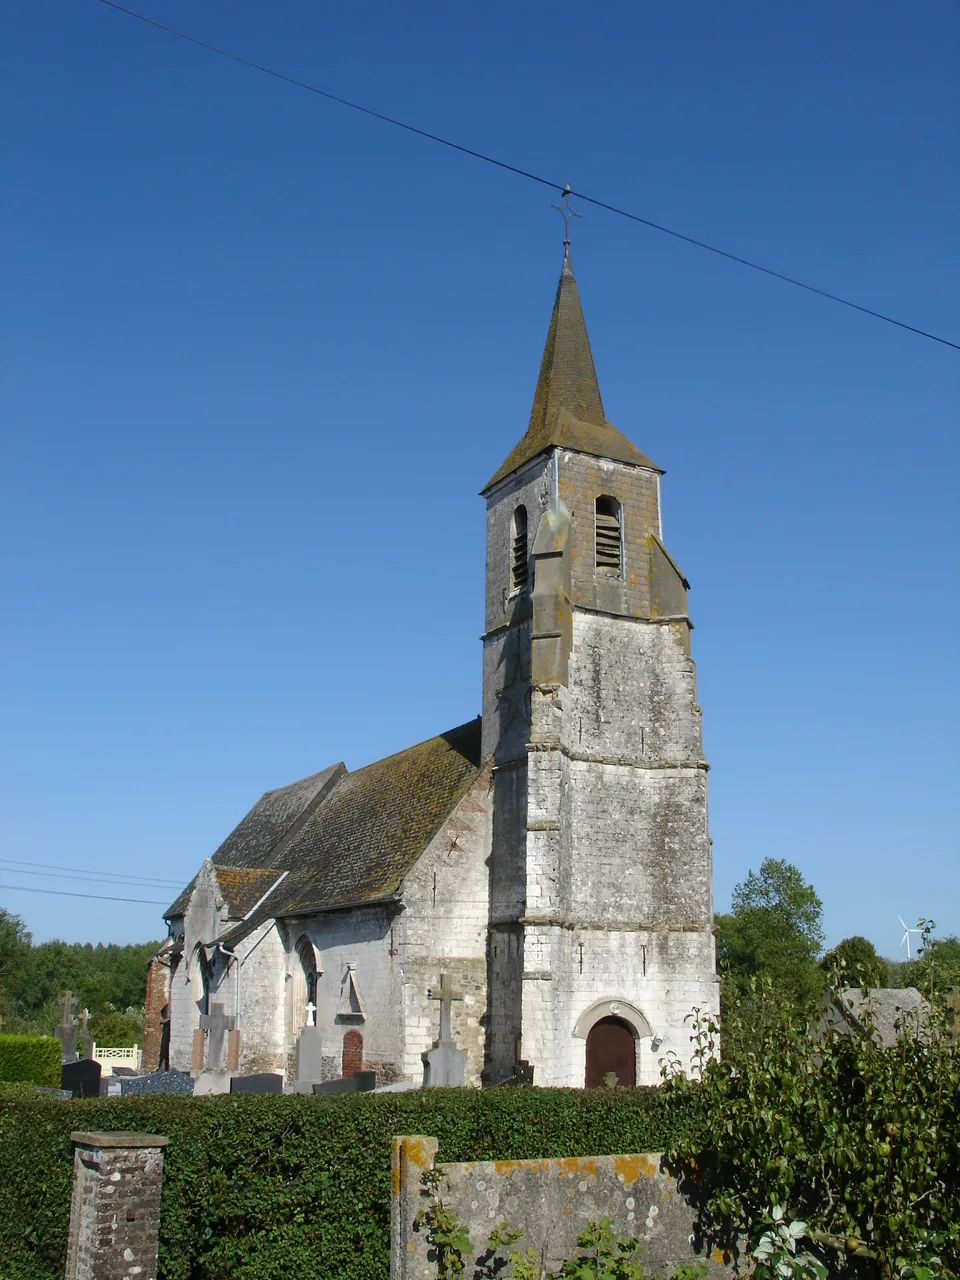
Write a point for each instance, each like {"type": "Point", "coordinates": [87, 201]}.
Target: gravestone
{"type": "Point", "coordinates": [444, 1066]}
{"type": "Point", "coordinates": [66, 1028]}
{"type": "Point", "coordinates": [177, 1082]}
{"type": "Point", "coordinates": [217, 1026]}
{"type": "Point", "coordinates": [84, 1038]}
{"type": "Point", "coordinates": [359, 1082]}
{"type": "Point", "coordinates": [262, 1082]}
{"type": "Point", "coordinates": [309, 1060]}
{"type": "Point", "coordinates": [82, 1078]}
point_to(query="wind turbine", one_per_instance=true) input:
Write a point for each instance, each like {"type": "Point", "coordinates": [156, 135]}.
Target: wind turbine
{"type": "Point", "coordinates": [905, 940]}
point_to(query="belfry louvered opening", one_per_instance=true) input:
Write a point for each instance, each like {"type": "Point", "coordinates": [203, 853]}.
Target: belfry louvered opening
{"type": "Point", "coordinates": [519, 569]}
{"type": "Point", "coordinates": [608, 532]}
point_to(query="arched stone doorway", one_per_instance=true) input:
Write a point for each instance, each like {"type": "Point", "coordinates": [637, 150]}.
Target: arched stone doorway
{"type": "Point", "coordinates": [611, 1049]}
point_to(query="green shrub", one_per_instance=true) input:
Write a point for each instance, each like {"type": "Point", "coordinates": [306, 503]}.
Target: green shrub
{"type": "Point", "coordinates": [860, 1142]}
{"type": "Point", "coordinates": [259, 1188]}
{"type": "Point", "coordinates": [30, 1060]}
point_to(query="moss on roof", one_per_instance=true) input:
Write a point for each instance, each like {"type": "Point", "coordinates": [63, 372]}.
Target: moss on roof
{"type": "Point", "coordinates": [362, 832]}
{"type": "Point", "coordinates": [567, 408]}
{"type": "Point", "coordinates": [256, 840]}
{"type": "Point", "coordinates": [243, 887]}
{"type": "Point", "coordinates": [361, 842]}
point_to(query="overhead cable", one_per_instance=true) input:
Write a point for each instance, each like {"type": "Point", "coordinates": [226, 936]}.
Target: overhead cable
{"type": "Point", "coordinates": [524, 173]}
{"type": "Point", "coordinates": [66, 893]}
{"type": "Point", "coordinates": [79, 872]}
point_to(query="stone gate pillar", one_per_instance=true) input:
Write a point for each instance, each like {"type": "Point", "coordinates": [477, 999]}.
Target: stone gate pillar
{"type": "Point", "coordinates": [115, 1207]}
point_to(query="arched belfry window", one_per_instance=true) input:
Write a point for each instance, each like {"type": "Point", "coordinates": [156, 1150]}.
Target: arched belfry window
{"type": "Point", "coordinates": [518, 551]}
{"type": "Point", "coordinates": [608, 527]}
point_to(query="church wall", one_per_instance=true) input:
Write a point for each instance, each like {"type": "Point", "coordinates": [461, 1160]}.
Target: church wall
{"type": "Point", "coordinates": [261, 1010]}
{"type": "Point", "coordinates": [618, 862]}
{"type": "Point", "coordinates": [201, 923]}
{"type": "Point", "coordinates": [663, 974]}
{"type": "Point", "coordinates": [583, 479]}
{"type": "Point", "coordinates": [444, 931]}
{"type": "Point", "coordinates": [632, 692]}
{"type": "Point", "coordinates": [367, 939]}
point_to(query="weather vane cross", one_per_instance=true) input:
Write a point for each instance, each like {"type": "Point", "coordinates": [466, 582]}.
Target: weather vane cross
{"type": "Point", "coordinates": [566, 213]}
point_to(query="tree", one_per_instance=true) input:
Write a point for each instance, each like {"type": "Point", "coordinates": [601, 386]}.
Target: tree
{"type": "Point", "coordinates": [14, 955]}
{"type": "Point", "coordinates": [775, 931]}
{"type": "Point", "coordinates": [857, 962]}
{"type": "Point", "coordinates": [936, 970]}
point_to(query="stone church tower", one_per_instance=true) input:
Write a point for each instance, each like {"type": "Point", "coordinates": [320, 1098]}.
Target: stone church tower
{"type": "Point", "coordinates": [601, 917]}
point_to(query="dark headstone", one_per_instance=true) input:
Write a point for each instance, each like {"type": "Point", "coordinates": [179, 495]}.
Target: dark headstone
{"type": "Point", "coordinates": [263, 1082]}
{"type": "Point", "coordinates": [125, 1071]}
{"type": "Point", "coordinates": [157, 1082]}
{"type": "Point", "coordinates": [359, 1082]}
{"type": "Point", "coordinates": [82, 1078]}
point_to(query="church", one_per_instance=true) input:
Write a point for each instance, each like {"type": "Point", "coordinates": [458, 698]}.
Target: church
{"type": "Point", "coordinates": [533, 886]}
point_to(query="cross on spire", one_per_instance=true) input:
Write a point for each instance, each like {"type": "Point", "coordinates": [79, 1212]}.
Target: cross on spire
{"type": "Point", "coordinates": [566, 213]}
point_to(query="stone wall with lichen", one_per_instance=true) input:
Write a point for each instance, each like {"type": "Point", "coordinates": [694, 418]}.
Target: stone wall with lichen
{"type": "Point", "coordinates": [550, 1201]}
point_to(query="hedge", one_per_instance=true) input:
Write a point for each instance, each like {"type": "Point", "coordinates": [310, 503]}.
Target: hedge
{"type": "Point", "coordinates": [259, 1188]}
{"type": "Point", "coordinates": [31, 1060]}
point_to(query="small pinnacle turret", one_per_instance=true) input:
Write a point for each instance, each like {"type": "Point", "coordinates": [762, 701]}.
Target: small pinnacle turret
{"type": "Point", "coordinates": [567, 408]}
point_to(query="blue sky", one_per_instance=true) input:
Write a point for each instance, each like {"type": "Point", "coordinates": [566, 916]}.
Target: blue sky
{"type": "Point", "coordinates": [259, 353]}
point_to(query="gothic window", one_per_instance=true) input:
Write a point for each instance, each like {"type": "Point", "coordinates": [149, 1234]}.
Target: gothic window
{"type": "Point", "coordinates": [518, 551]}
{"type": "Point", "coordinates": [608, 528]}
{"type": "Point", "coordinates": [304, 988]}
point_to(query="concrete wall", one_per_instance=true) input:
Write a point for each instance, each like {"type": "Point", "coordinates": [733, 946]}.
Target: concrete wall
{"type": "Point", "coordinates": [551, 1201]}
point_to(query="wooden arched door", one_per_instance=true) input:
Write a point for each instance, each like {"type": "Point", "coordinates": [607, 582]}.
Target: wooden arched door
{"type": "Point", "coordinates": [352, 1060]}
{"type": "Point", "coordinates": [611, 1048]}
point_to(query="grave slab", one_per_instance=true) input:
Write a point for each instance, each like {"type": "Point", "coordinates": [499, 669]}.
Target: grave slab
{"type": "Point", "coordinates": [157, 1082]}
{"type": "Point", "coordinates": [262, 1082]}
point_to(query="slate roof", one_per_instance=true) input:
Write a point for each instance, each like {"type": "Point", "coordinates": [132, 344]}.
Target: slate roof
{"type": "Point", "coordinates": [567, 408]}
{"type": "Point", "coordinates": [881, 1008]}
{"type": "Point", "coordinates": [361, 842]}
{"type": "Point", "coordinates": [256, 840]}
{"type": "Point", "coordinates": [243, 887]}
{"type": "Point", "coordinates": [358, 841]}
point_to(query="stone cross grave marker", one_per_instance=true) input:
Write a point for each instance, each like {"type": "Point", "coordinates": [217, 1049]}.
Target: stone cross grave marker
{"type": "Point", "coordinates": [444, 1065]}
{"type": "Point", "coordinates": [311, 1014]}
{"type": "Point", "coordinates": [217, 1024]}
{"type": "Point", "coordinates": [84, 1038]}
{"type": "Point", "coordinates": [66, 1029]}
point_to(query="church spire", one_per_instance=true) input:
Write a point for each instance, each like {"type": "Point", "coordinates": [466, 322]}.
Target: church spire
{"type": "Point", "coordinates": [567, 408]}
{"type": "Point", "coordinates": [568, 379]}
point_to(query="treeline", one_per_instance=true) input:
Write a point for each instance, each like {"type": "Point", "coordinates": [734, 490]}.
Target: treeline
{"type": "Point", "coordinates": [108, 980]}
{"type": "Point", "coordinates": [770, 952]}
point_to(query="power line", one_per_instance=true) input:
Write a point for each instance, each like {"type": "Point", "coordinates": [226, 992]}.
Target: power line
{"type": "Point", "coordinates": [524, 173]}
{"type": "Point", "coordinates": [79, 871]}
{"type": "Point", "coordinates": [116, 882]}
{"type": "Point", "coordinates": [66, 893]}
